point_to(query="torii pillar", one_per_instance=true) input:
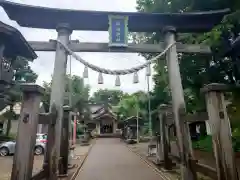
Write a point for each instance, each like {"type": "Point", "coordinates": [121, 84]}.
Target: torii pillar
{"type": "Point", "coordinates": [175, 84]}
{"type": "Point", "coordinates": [58, 81]}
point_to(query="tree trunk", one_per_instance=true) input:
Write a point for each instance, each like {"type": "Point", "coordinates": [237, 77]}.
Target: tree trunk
{"type": "Point", "coordinates": [9, 121]}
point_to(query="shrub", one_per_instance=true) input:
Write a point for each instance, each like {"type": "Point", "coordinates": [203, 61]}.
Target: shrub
{"type": "Point", "coordinates": [236, 143]}
{"type": "Point", "coordinates": [4, 138]}
{"type": "Point", "coordinates": [205, 143]}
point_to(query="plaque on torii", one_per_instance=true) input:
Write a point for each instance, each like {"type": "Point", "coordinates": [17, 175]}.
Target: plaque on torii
{"type": "Point", "coordinates": [118, 31]}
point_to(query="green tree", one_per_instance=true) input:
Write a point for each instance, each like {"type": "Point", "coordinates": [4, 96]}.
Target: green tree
{"type": "Point", "coordinates": [196, 69]}
{"type": "Point", "coordinates": [22, 73]}
{"type": "Point", "coordinates": [113, 97]}
{"type": "Point", "coordinates": [74, 89]}
{"type": "Point", "coordinates": [132, 104]}
{"type": "Point", "coordinates": [46, 95]}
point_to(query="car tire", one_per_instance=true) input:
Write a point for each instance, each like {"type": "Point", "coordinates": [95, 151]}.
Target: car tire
{"type": "Point", "coordinates": [4, 151]}
{"type": "Point", "coordinates": [38, 150]}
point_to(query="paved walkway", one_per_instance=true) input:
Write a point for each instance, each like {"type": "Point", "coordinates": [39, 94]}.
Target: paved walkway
{"type": "Point", "coordinates": [111, 160]}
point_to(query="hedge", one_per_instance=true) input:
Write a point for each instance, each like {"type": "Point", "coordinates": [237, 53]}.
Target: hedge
{"type": "Point", "coordinates": [205, 143]}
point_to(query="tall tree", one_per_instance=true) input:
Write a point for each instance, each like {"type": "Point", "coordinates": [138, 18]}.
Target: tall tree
{"type": "Point", "coordinates": [22, 73]}
{"type": "Point", "coordinates": [112, 97]}
{"type": "Point", "coordinates": [76, 90]}
{"type": "Point", "coordinates": [196, 69]}
{"type": "Point", "coordinates": [132, 104]}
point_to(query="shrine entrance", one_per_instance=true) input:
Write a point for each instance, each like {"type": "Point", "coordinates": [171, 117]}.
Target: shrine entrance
{"type": "Point", "coordinates": [107, 125]}
{"type": "Point", "coordinates": [106, 128]}
{"type": "Point", "coordinates": [118, 24]}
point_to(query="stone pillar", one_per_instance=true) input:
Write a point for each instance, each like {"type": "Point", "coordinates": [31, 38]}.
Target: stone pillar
{"type": "Point", "coordinates": [221, 132]}
{"type": "Point", "coordinates": [70, 128]}
{"type": "Point", "coordinates": [2, 47]}
{"type": "Point", "coordinates": [160, 155]}
{"type": "Point", "coordinates": [164, 139]}
{"type": "Point", "coordinates": [70, 135]}
{"type": "Point", "coordinates": [58, 82]}
{"type": "Point", "coordinates": [27, 129]}
{"type": "Point", "coordinates": [114, 126]}
{"type": "Point", "coordinates": [98, 128]}
{"type": "Point", "coordinates": [159, 150]}
{"type": "Point", "coordinates": [185, 152]}
{"type": "Point", "coordinates": [64, 151]}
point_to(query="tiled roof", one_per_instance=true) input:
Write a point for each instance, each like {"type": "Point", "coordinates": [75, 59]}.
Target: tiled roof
{"type": "Point", "coordinates": [101, 110]}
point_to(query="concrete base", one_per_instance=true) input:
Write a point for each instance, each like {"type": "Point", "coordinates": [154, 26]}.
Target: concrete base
{"type": "Point", "coordinates": [84, 144]}
{"type": "Point", "coordinates": [110, 135]}
{"type": "Point", "coordinates": [62, 175]}
{"type": "Point", "coordinates": [166, 170]}
{"type": "Point", "coordinates": [131, 141]}
{"type": "Point", "coordinates": [71, 166]}
{"type": "Point", "coordinates": [152, 151]}
{"type": "Point", "coordinates": [159, 163]}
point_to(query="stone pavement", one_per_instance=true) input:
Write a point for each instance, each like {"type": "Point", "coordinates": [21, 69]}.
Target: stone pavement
{"type": "Point", "coordinates": [109, 159]}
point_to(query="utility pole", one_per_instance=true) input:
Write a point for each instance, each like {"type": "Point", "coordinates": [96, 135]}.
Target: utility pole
{"type": "Point", "coordinates": [137, 124]}
{"type": "Point", "coordinates": [149, 107]}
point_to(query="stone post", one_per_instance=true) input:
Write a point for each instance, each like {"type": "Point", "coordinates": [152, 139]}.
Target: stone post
{"type": "Point", "coordinates": [187, 172]}
{"type": "Point", "coordinates": [98, 128]}
{"type": "Point", "coordinates": [71, 145]}
{"type": "Point", "coordinates": [164, 140]}
{"type": "Point", "coordinates": [160, 155]}
{"type": "Point", "coordinates": [64, 151]}
{"type": "Point", "coordinates": [221, 131]}
{"type": "Point", "coordinates": [114, 126]}
{"type": "Point", "coordinates": [27, 129]}
{"type": "Point", "coordinates": [2, 47]}
{"type": "Point", "coordinates": [58, 82]}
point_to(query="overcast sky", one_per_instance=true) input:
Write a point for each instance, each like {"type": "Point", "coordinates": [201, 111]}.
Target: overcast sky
{"type": "Point", "coordinates": [43, 65]}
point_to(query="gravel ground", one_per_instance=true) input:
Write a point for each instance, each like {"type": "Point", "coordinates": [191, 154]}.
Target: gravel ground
{"type": "Point", "coordinates": [6, 166]}
{"type": "Point", "coordinates": [6, 162]}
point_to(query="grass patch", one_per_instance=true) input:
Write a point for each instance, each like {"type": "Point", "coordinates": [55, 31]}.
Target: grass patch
{"type": "Point", "coordinates": [205, 144]}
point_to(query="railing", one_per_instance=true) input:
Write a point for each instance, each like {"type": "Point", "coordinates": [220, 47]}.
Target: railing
{"type": "Point", "coordinates": [221, 134]}
{"type": "Point", "coordinates": [26, 138]}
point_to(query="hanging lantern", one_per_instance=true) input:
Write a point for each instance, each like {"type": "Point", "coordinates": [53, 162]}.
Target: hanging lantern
{"type": "Point", "coordinates": [148, 70]}
{"type": "Point", "coordinates": [100, 78]}
{"type": "Point", "coordinates": [85, 72]}
{"type": "Point", "coordinates": [117, 81]}
{"type": "Point", "coordinates": [135, 78]}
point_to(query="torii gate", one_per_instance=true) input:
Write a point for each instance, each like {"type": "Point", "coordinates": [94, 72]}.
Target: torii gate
{"type": "Point", "coordinates": [65, 21]}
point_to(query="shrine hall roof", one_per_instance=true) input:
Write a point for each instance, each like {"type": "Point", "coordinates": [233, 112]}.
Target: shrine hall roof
{"type": "Point", "coordinates": [101, 110]}
{"type": "Point", "coordinates": [49, 18]}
